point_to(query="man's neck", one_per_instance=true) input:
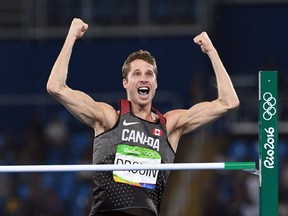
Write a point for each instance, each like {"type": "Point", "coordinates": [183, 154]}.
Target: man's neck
{"type": "Point", "coordinates": [144, 112]}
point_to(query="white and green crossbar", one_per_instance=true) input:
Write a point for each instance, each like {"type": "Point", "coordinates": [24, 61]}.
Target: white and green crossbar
{"type": "Point", "coordinates": [247, 166]}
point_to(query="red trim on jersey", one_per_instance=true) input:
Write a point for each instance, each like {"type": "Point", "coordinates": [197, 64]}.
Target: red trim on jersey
{"type": "Point", "coordinates": [125, 108]}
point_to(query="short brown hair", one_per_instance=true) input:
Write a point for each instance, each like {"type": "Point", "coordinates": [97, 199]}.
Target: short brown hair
{"type": "Point", "coordinates": [140, 54]}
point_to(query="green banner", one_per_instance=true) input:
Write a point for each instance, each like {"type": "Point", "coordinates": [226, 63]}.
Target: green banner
{"type": "Point", "coordinates": [268, 142]}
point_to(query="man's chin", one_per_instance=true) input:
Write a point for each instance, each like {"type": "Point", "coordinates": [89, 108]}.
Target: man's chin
{"type": "Point", "coordinates": [144, 100]}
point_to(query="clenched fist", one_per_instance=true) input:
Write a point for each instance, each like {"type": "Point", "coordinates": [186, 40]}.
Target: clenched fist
{"type": "Point", "coordinates": [204, 42]}
{"type": "Point", "coordinates": [77, 28]}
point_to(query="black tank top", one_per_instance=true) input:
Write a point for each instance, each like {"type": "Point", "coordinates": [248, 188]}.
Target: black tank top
{"type": "Point", "coordinates": [131, 140]}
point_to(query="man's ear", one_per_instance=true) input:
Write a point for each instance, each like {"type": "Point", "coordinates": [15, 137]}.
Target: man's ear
{"type": "Point", "coordinates": [124, 82]}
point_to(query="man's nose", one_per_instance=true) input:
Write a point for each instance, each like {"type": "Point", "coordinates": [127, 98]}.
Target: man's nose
{"type": "Point", "coordinates": [143, 78]}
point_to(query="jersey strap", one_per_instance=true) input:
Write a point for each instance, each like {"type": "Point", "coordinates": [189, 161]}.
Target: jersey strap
{"type": "Point", "coordinates": [161, 117]}
{"type": "Point", "coordinates": [124, 107]}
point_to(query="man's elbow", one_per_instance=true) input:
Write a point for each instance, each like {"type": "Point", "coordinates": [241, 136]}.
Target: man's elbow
{"type": "Point", "coordinates": [52, 88]}
{"type": "Point", "coordinates": [233, 104]}
{"type": "Point", "coordinates": [229, 105]}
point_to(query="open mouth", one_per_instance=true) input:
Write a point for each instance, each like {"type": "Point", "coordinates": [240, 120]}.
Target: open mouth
{"type": "Point", "coordinates": [143, 90]}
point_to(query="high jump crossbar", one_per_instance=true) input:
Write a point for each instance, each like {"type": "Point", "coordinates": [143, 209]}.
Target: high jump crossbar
{"type": "Point", "coordinates": [247, 166]}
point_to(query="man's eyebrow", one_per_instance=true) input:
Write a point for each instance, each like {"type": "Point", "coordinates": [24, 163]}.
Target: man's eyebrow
{"type": "Point", "coordinates": [136, 70]}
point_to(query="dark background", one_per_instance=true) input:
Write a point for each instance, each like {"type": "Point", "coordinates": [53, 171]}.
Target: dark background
{"type": "Point", "coordinates": [35, 129]}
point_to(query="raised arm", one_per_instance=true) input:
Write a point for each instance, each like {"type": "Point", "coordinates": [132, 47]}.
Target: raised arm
{"type": "Point", "coordinates": [184, 121]}
{"type": "Point", "coordinates": [227, 96]}
{"type": "Point", "coordinates": [99, 116]}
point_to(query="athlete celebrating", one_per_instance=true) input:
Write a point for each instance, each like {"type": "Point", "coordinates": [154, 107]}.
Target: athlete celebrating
{"type": "Point", "coordinates": [137, 133]}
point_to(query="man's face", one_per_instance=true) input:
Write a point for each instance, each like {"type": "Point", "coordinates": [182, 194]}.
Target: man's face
{"type": "Point", "coordinates": [141, 82]}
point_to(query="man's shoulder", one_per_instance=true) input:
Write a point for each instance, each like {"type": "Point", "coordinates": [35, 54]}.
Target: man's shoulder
{"type": "Point", "coordinates": [173, 113]}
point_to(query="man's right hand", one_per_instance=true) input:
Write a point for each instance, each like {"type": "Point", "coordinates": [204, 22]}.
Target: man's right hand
{"type": "Point", "coordinates": [77, 28]}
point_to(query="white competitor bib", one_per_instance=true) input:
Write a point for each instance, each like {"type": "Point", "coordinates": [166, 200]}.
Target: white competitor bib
{"type": "Point", "coordinates": [126, 154]}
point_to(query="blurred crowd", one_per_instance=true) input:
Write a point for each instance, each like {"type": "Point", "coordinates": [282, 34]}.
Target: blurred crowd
{"type": "Point", "coordinates": [234, 193]}
{"type": "Point", "coordinates": [45, 194]}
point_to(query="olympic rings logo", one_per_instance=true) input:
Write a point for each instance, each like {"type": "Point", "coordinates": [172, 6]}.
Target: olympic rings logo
{"type": "Point", "coordinates": [268, 106]}
{"type": "Point", "coordinates": [149, 154]}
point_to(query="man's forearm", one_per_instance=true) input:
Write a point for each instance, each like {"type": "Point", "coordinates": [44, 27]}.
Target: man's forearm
{"type": "Point", "coordinates": [58, 76]}
{"type": "Point", "coordinates": [226, 91]}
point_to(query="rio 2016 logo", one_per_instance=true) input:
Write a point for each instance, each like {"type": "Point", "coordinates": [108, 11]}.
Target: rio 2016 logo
{"type": "Point", "coordinates": [269, 106]}
{"type": "Point", "coordinates": [269, 110]}
{"type": "Point", "coordinates": [269, 146]}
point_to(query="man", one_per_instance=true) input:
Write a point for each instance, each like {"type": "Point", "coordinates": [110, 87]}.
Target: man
{"type": "Point", "coordinates": [137, 133]}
